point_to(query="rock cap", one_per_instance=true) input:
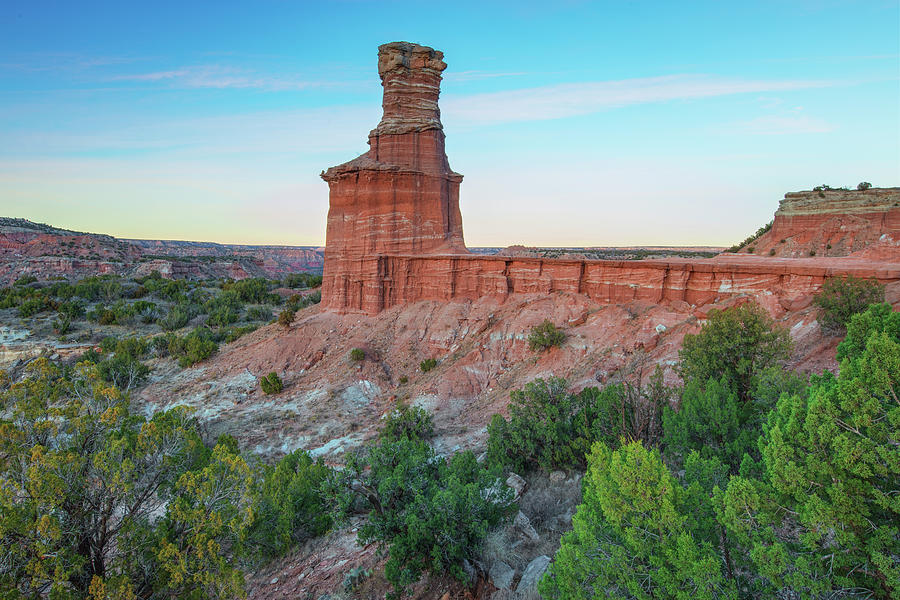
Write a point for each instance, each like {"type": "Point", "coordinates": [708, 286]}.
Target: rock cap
{"type": "Point", "coordinates": [407, 56]}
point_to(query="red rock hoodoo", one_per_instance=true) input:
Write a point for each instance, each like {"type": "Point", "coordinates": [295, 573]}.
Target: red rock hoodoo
{"type": "Point", "coordinates": [400, 197]}
{"type": "Point", "coordinates": [394, 231]}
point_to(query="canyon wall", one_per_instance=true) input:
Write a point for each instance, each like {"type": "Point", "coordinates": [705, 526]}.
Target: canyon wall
{"type": "Point", "coordinates": [835, 223]}
{"type": "Point", "coordinates": [394, 233]}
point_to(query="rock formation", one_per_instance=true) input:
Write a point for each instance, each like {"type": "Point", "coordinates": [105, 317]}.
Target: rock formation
{"type": "Point", "coordinates": [394, 232]}
{"type": "Point", "coordinates": [835, 223]}
{"type": "Point", "coordinates": [400, 197]}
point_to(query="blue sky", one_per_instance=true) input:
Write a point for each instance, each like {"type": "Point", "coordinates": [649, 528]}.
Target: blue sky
{"type": "Point", "coordinates": [574, 123]}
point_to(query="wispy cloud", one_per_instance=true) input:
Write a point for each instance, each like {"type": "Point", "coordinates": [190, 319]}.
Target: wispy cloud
{"type": "Point", "coordinates": [222, 77]}
{"type": "Point", "coordinates": [480, 75]}
{"type": "Point", "coordinates": [39, 62]}
{"type": "Point", "coordinates": [572, 99]}
{"type": "Point", "coordinates": [781, 125]}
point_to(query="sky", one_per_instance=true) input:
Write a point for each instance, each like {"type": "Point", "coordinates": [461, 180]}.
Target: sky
{"type": "Point", "coordinates": [574, 123]}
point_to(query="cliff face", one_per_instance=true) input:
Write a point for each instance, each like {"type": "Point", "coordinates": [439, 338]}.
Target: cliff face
{"type": "Point", "coordinates": [835, 223]}
{"type": "Point", "coordinates": [394, 231]}
{"type": "Point", "coordinates": [400, 197]}
{"type": "Point", "coordinates": [46, 252]}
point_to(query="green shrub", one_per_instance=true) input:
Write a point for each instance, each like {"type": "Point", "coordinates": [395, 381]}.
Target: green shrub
{"type": "Point", "coordinates": [357, 355]}
{"type": "Point", "coordinates": [302, 280]}
{"type": "Point", "coordinates": [405, 421]}
{"type": "Point", "coordinates": [73, 309]}
{"type": "Point", "coordinates": [62, 325]}
{"type": "Point", "coordinates": [759, 233]}
{"type": "Point", "coordinates": [286, 317]}
{"type": "Point", "coordinates": [735, 344]}
{"type": "Point", "coordinates": [109, 343]}
{"type": "Point", "coordinates": [291, 506]}
{"type": "Point", "coordinates": [877, 318]}
{"type": "Point", "coordinates": [123, 371]}
{"type": "Point", "coordinates": [254, 290]}
{"type": "Point", "coordinates": [301, 301]}
{"type": "Point", "coordinates": [33, 306]}
{"type": "Point", "coordinates": [544, 336]}
{"type": "Point", "coordinates": [259, 313]}
{"type": "Point", "coordinates": [24, 280]}
{"type": "Point", "coordinates": [550, 428]}
{"type": "Point", "coordinates": [196, 346]}
{"type": "Point", "coordinates": [233, 333]}
{"type": "Point", "coordinates": [271, 383]}
{"type": "Point", "coordinates": [711, 420]}
{"type": "Point", "coordinates": [632, 536]}
{"type": "Point", "coordinates": [429, 513]}
{"type": "Point", "coordinates": [403, 380]}
{"type": "Point", "coordinates": [427, 364]}
{"type": "Point", "coordinates": [863, 185]}
{"type": "Point", "coordinates": [177, 317]}
{"type": "Point", "coordinates": [224, 309]}
{"type": "Point", "coordinates": [843, 297]}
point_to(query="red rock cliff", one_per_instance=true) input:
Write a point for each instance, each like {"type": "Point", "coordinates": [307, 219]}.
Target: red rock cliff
{"type": "Point", "coordinates": [400, 197]}
{"type": "Point", "coordinates": [394, 232]}
{"type": "Point", "coordinates": [835, 223]}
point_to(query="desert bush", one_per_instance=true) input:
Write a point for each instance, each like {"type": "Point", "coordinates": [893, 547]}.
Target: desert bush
{"type": "Point", "coordinates": [301, 301]}
{"type": "Point", "coordinates": [843, 297]}
{"type": "Point", "coordinates": [271, 383]}
{"type": "Point", "coordinates": [863, 185]}
{"type": "Point", "coordinates": [33, 306]}
{"type": "Point", "coordinates": [734, 345]}
{"type": "Point", "coordinates": [196, 346]}
{"type": "Point", "coordinates": [177, 317]}
{"type": "Point", "coordinates": [550, 428]}
{"type": "Point", "coordinates": [427, 364]}
{"type": "Point", "coordinates": [758, 234]}
{"type": "Point", "coordinates": [259, 313]}
{"type": "Point", "coordinates": [286, 317]}
{"type": "Point", "coordinates": [62, 325]}
{"type": "Point", "coordinates": [24, 280]}
{"type": "Point", "coordinates": [102, 315]}
{"type": "Point", "coordinates": [545, 336]}
{"type": "Point", "coordinates": [123, 371]}
{"type": "Point", "coordinates": [254, 290]}
{"type": "Point", "coordinates": [223, 309]}
{"type": "Point", "coordinates": [73, 309]}
{"type": "Point", "coordinates": [357, 355]}
{"type": "Point", "coordinates": [405, 421]}
{"type": "Point", "coordinates": [632, 532]}
{"type": "Point", "coordinates": [430, 514]}
{"type": "Point", "coordinates": [302, 280]}
{"type": "Point", "coordinates": [230, 334]}
{"type": "Point", "coordinates": [291, 506]}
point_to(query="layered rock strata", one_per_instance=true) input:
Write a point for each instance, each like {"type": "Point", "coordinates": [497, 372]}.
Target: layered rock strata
{"type": "Point", "coordinates": [835, 223]}
{"type": "Point", "coordinates": [400, 197]}
{"type": "Point", "coordinates": [394, 233]}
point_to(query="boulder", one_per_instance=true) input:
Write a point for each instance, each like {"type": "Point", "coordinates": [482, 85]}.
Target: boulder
{"type": "Point", "coordinates": [502, 575]}
{"type": "Point", "coordinates": [533, 573]}
{"type": "Point", "coordinates": [523, 524]}
{"type": "Point", "coordinates": [518, 484]}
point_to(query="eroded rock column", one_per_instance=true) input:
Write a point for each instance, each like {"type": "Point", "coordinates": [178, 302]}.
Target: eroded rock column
{"type": "Point", "coordinates": [400, 197]}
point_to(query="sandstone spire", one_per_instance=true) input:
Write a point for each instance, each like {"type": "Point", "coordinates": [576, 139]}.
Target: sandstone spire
{"type": "Point", "coordinates": [400, 197]}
